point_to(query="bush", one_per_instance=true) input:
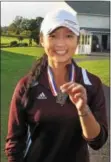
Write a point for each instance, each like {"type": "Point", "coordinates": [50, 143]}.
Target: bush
{"type": "Point", "coordinates": [20, 38]}
{"type": "Point", "coordinates": [16, 44]}
{"type": "Point", "coordinates": [4, 45]}
{"type": "Point", "coordinates": [14, 35]}
{"type": "Point", "coordinates": [23, 44]}
{"type": "Point", "coordinates": [13, 44]}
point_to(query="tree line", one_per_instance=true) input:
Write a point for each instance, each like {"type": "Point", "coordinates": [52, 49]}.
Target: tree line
{"type": "Point", "coordinates": [23, 27]}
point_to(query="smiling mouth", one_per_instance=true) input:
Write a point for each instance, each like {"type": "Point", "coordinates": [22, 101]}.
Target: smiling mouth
{"type": "Point", "coordinates": [63, 52]}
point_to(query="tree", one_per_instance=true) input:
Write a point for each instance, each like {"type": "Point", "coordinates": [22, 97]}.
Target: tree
{"type": "Point", "coordinates": [32, 25]}
{"type": "Point", "coordinates": [12, 28]}
{"type": "Point", "coordinates": [25, 24]}
{"type": "Point", "coordinates": [35, 36]}
{"type": "Point", "coordinates": [16, 25]}
{"type": "Point", "coordinates": [17, 21]}
{"type": "Point", "coordinates": [38, 22]}
{"type": "Point", "coordinates": [20, 38]}
{"type": "Point", "coordinates": [4, 29]}
{"type": "Point", "coordinates": [35, 29]}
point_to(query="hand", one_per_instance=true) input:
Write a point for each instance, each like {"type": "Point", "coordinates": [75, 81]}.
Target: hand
{"type": "Point", "coordinates": [77, 94]}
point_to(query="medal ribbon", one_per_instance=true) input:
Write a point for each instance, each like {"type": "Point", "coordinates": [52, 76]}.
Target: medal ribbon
{"type": "Point", "coordinates": [51, 78]}
{"type": "Point", "coordinates": [51, 81]}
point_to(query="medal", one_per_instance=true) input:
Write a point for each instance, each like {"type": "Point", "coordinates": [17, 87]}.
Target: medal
{"type": "Point", "coordinates": [60, 96]}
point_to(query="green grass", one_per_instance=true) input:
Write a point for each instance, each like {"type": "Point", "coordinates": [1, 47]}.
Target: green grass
{"type": "Point", "coordinates": [15, 63]}
{"type": "Point", "coordinates": [7, 40]}
{"type": "Point", "coordinates": [30, 51]}
{"type": "Point", "coordinates": [13, 67]}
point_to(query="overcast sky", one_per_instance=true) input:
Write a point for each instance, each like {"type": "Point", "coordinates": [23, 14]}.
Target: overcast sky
{"type": "Point", "coordinates": [9, 10]}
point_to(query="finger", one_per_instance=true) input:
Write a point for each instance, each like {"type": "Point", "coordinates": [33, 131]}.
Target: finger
{"type": "Point", "coordinates": [77, 89]}
{"type": "Point", "coordinates": [77, 95]}
{"type": "Point", "coordinates": [67, 88]}
{"type": "Point", "coordinates": [64, 86]}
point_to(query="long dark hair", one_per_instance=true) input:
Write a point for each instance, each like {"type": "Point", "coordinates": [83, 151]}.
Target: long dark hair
{"type": "Point", "coordinates": [33, 77]}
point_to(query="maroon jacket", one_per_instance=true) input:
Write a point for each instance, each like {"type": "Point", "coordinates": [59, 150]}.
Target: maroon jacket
{"type": "Point", "coordinates": [58, 135]}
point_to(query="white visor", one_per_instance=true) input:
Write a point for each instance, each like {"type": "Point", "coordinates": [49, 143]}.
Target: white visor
{"type": "Point", "coordinates": [59, 18]}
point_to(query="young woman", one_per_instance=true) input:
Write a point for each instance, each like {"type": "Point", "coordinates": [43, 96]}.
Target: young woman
{"type": "Point", "coordinates": [58, 105]}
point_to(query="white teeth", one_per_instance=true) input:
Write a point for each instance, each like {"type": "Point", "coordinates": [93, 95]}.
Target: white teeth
{"type": "Point", "coordinates": [60, 52]}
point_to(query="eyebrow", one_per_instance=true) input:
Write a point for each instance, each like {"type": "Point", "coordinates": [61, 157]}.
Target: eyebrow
{"type": "Point", "coordinates": [68, 31]}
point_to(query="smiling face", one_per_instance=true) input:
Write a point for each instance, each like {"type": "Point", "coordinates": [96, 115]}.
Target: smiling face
{"type": "Point", "coordinates": [60, 45]}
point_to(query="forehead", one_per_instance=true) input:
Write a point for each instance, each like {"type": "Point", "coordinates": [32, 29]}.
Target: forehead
{"type": "Point", "coordinates": [61, 28]}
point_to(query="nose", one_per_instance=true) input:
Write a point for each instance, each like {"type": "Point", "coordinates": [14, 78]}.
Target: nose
{"type": "Point", "coordinates": [60, 41]}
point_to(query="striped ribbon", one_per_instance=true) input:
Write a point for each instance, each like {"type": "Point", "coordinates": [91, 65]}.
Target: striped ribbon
{"type": "Point", "coordinates": [52, 82]}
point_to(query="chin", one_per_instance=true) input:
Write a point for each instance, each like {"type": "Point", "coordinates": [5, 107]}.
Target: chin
{"type": "Point", "coordinates": [62, 60]}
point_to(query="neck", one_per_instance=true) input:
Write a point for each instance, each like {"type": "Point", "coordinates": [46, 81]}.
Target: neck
{"type": "Point", "coordinates": [59, 70]}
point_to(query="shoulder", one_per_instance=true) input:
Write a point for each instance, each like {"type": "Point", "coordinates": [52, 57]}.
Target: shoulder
{"type": "Point", "coordinates": [94, 79]}
{"type": "Point", "coordinates": [21, 85]}
{"type": "Point", "coordinates": [22, 81]}
{"type": "Point", "coordinates": [94, 86]}
{"type": "Point", "coordinates": [89, 80]}
{"type": "Point", "coordinates": [86, 78]}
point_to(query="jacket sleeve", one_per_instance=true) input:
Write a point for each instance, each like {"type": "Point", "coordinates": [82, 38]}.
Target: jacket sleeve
{"type": "Point", "coordinates": [98, 108]}
{"type": "Point", "coordinates": [17, 127]}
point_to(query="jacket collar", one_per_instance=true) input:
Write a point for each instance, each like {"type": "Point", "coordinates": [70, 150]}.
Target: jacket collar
{"type": "Point", "coordinates": [43, 80]}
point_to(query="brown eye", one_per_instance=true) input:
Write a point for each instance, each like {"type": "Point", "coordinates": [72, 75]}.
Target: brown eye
{"type": "Point", "coordinates": [70, 35]}
{"type": "Point", "coordinates": [52, 35]}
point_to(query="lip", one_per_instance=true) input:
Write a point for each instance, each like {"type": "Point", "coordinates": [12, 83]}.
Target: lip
{"type": "Point", "coordinates": [61, 52]}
